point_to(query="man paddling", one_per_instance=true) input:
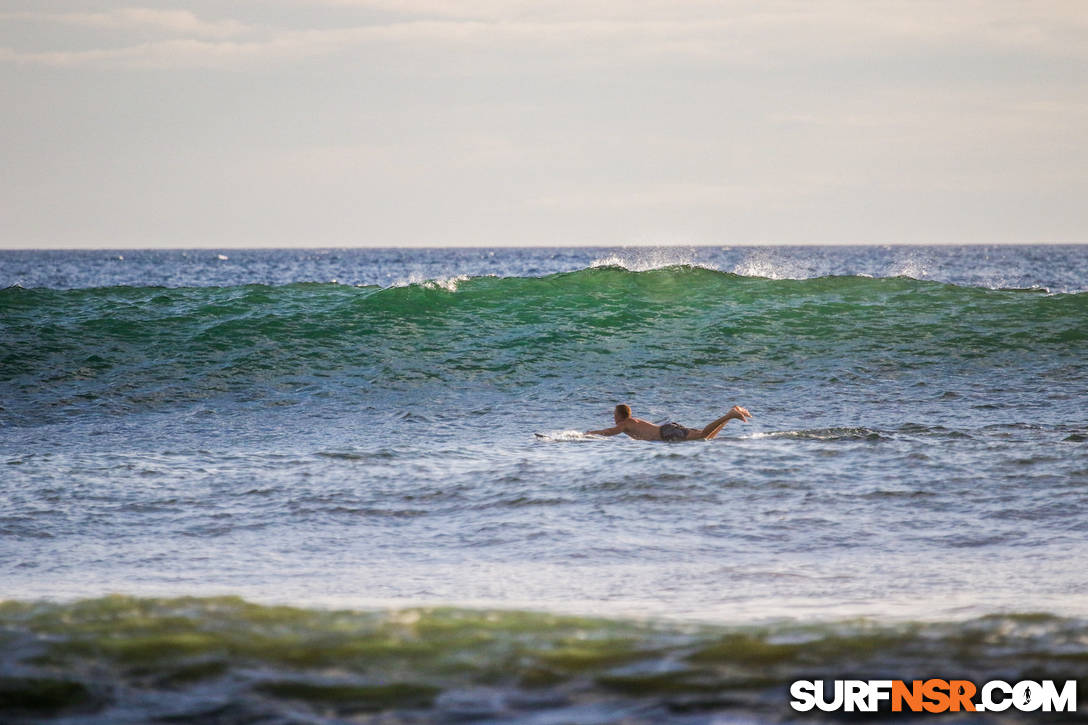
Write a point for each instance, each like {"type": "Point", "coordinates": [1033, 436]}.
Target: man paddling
{"type": "Point", "coordinates": [644, 430]}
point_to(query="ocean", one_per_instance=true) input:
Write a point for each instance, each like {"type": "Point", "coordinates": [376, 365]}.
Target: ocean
{"type": "Point", "coordinates": [351, 485]}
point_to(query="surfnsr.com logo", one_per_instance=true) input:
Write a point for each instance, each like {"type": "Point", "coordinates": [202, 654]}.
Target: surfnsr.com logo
{"type": "Point", "coordinates": [933, 695]}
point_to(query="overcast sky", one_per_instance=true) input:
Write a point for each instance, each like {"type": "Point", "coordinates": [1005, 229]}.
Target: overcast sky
{"type": "Point", "coordinates": [492, 122]}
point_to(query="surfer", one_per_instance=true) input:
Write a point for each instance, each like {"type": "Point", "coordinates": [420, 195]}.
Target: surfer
{"type": "Point", "coordinates": [644, 430]}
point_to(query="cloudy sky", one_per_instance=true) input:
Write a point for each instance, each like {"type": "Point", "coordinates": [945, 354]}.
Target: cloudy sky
{"type": "Point", "coordinates": [496, 122]}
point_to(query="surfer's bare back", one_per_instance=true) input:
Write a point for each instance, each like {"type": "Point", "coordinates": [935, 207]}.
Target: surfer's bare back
{"type": "Point", "coordinates": [644, 430]}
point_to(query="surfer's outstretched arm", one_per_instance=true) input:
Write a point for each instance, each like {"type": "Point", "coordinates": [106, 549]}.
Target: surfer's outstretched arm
{"type": "Point", "coordinates": [615, 430]}
{"type": "Point", "coordinates": [713, 429]}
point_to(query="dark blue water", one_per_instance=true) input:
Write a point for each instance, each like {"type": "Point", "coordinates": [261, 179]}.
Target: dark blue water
{"type": "Point", "coordinates": [370, 429]}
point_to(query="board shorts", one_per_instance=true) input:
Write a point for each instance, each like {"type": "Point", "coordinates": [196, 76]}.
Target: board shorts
{"type": "Point", "coordinates": [673, 432]}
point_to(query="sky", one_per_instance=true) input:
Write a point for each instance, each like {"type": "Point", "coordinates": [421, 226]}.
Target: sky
{"type": "Point", "coordinates": [262, 123]}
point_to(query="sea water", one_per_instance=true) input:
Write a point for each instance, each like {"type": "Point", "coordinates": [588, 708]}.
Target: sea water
{"type": "Point", "coordinates": [352, 485]}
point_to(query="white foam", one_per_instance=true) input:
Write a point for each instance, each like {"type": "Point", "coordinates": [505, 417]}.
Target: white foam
{"type": "Point", "coordinates": [643, 260]}
{"type": "Point", "coordinates": [765, 264]}
{"type": "Point", "coordinates": [449, 284]}
{"type": "Point", "coordinates": [445, 283]}
{"type": "Point", "coordinates": [565, 435]}
{"type": "Point", "coordinates": [756, 268]}
{"type": "Point", "coordinates": [907, 268]}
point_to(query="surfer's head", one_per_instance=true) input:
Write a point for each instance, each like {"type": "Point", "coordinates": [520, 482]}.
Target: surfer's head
{"type": "Point", "coordinates": [623, 412]}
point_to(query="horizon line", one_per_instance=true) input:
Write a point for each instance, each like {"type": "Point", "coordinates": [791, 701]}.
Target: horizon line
{"type": "Point", "coordinates": [274, 247]}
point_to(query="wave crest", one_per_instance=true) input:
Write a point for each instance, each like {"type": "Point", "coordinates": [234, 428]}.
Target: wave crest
{"type": "Point", "coordinates": [123, 349]}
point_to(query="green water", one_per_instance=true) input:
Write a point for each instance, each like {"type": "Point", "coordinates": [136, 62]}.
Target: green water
{"type": "Point", "coordinates": [190, 658]}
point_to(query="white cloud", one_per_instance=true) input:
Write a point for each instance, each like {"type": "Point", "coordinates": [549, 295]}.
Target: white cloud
{"type": "Point", "coordinates": [1045, 24]}
{"type": "Point", "coordinates": [590, 33]}
{"type": "Point", "coordinates": [172, 22]}
{"type": "Point", "coordinates": [576, 42]}
{"type": "Point", "coordinates": [188, 53]}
